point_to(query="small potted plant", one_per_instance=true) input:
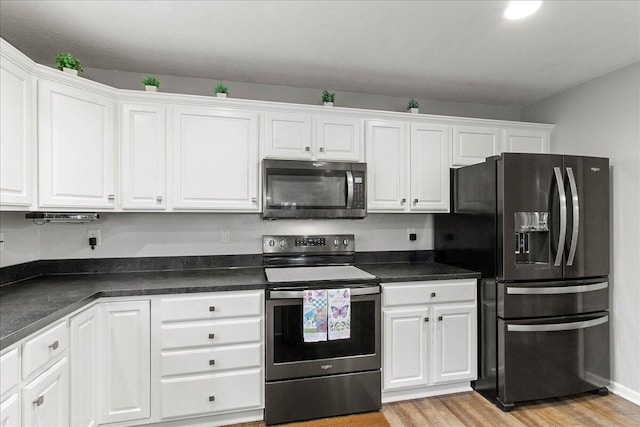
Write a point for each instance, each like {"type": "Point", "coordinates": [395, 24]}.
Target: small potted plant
{"type": "Point", "coordinates": [68, 63]}
{"type": "Point", "coordinates": [151, 84]}
{"type": "Point", "coordinates": [328, 98]}
{"type": "Point", "coordinates": [413, 106]}
{"type": "Point", "coordinates": [221, 90]}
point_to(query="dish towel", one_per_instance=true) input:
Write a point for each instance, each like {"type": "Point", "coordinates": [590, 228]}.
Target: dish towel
{"type": "Point", "coordinates": [314, 315]}
{"type": "Point", "coordinates": [339, 314]}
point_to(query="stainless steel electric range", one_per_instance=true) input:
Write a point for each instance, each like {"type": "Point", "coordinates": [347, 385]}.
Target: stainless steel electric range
{"type": "Point", "coordinates": [307, 380]}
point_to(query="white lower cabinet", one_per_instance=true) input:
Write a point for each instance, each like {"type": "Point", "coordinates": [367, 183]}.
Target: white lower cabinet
{"type": "Point", "coordinates": [45, 400]}
{"type": "Point", "coordinates": [84, 336]}
{"type": "Point", "coordinates": [429, 338]}
{"type": "Point", "coordinates": [10, 411]}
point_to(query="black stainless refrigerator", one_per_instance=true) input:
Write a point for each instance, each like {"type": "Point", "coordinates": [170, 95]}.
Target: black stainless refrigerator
{"type": "Point", "coordinates": [537, 227]}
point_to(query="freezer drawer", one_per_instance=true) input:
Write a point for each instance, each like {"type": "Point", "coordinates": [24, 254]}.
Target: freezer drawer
{"type": "Point", "coordinates": [539, 359]}
{"type": "Point", "coordinates": [547, 299]}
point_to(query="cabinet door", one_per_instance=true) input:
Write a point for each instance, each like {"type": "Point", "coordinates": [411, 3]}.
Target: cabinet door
{"type": "Point", "coordinates": [45, 401]}
{"type": "Point", "coordinates": [430, 167]}
{"type": "Point", "coordinates": [126, 369]}
{"type": "Point", "coordinates": [288, 136]}
{"type": "Point", "coordinates": [472, 144]}
{"type": "Point", "coordinates": [10, 411]}
{"type": "Point", "coordinates": [76, 147]}
{"type": "Point", "coordinates": [84, 364]}
{"type": "Point", "coordinates": [387, 166]}
{"type": "Point", "coordinates": [522, 140]}
{"type": "Point", "coordinates": [406, 348]}
{"type": "Point", "coordinates": [455, 343]}
{"type": "Point", "coordinates": [215, 160]}
{"type": "Point", "coordinates": [340, 138]}
{"type": "Point", "coordinates": [16, 145]}
{"type": "Point", "coordinates": [143, 156]}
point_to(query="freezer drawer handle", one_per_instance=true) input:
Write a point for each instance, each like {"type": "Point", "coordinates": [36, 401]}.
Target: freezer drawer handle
{"type": "Point", "coordinates": [371, 290]}
{"type": "Point", "coordinates": [563, 215]}
{"type": "Point", "coordinates": [575, 203]}
{"type": "Point", "coordinates": [557, 289]}
{"type": "Point", "coordinates": [558, 326]}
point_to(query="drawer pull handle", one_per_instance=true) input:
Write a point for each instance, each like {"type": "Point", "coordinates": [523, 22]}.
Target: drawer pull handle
{"type": "Point", "coordinates": [211, 336]}
{"type": "Point", "coordinates": [439, 318]}
{"type": "Point", "coordinates": [426, 319]}
{"type": "Point", "coordinates": [39, 401]}
{"type": "Point", "coordinates": [54, 346]}
{"type": "Point", "coordinates": [212, 398]}
{"type": "Point", "coordinates": [433, 294]}
{"type": "Point", "coordinates": [212, 362]}
{"type": "Point", "coordinates": [212, 308]}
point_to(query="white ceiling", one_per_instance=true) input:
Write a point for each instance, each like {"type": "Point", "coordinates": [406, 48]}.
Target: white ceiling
{"type": "Point", "coordinates": [461, 51]}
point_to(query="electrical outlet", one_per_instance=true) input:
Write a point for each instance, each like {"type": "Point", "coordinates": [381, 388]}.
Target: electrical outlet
{"type": "Point", "coordinates": [96, 234]}
{"type": "Point", "coordinates": [1, 241]}
{"type": "Point", "coordinates": [225, 236]}
{"type": "Point", "coordinates": [411, 232]}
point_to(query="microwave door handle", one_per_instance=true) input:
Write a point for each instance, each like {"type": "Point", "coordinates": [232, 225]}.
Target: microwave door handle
{"type": "Point", "coordinates": [563, 215]}
{"type": "Point", "coordinates": [349, 189]}
{"type": "Point", "coordinates": [575, 203]}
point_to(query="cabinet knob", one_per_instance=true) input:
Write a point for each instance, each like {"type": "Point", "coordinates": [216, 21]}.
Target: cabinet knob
{"type": "Point", "coordinates": [403, 201]}
{"type": "Point", "coordinates": [307, 148]}
{"type": "Point", "coordinates": [439, 318]}
{"type": "Point", "coordinates": [433, 294]}
{"type": "Point", "coordinates": [39, 401]}
{"type": "Point", "coordinates": [212, 362]}
{"type": "Point", "coordinates": [212, 308]}
{"type": "Point", "coordinates": [426, 319]}
{"type": "Point", "coordinates": [212, 336]}
{"type": "Point", "coordinates": [158, 199]}
{"type": "Point", "coordinates": [322, 149]}
{"type": "Point", "coordinates": [54, 346]}
{"type": "Point", "coordinates": [111, 197]}
{"type": "Point", "coordinates": [415, 201]}
{"type": "Point", "coordinates": [254, 200]}
{"type": "Point", "coordinates": [212, 398]}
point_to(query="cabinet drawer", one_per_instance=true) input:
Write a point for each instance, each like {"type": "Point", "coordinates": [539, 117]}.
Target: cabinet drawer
{"type": "Point", "coordinates": [211, 333]}
{"type": "Point", "coordinates": [211, 393]}
{"type": "Point", "coordinates": [43, 347]}
{"type": "Point", "coordinates": [9, 371]}
{"type": "Point", "coordinates": [211, 306]}
{"type": "Point", "coordinates": [211, 359]}
{"type": "Point", "coordinates": [437, 291]}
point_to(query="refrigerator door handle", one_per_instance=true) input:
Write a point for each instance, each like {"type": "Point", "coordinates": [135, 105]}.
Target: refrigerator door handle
{"type": "Point", "coordinates": [551, 327]}
{"type": "Point", "coordinates": [575, 203]}
{"type": "Point", "coordinates": [541, 290]}
{"type": "Point", "coordinates": [563, 215]}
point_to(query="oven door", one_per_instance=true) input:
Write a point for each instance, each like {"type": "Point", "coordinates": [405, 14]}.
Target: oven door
{"type": "Point", "coordinates": [288, 356]}
{"type": "Point", "coordinates": [298, 189]}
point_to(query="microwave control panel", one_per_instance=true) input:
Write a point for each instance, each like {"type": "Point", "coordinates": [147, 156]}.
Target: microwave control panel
{"type": "Point", "coordinates": [359, 196]}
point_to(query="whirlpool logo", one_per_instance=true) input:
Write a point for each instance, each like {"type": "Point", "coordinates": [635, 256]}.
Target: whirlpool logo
{"type": "Point", "coordinates": [325, 367]}
{"type": "Point", "coordinates": [595, 169]}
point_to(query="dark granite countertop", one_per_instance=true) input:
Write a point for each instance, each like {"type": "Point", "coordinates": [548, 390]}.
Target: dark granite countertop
{"type": "Point", "coordinates": [415, 271]}
{"type": "Point", "coordinates": [32, 304]}
{"type": "Point", "coordinates": [29, 305]}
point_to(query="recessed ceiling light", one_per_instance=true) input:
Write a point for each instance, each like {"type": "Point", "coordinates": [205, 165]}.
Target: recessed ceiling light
{"type": "Point", "coordinates": [521, 9]}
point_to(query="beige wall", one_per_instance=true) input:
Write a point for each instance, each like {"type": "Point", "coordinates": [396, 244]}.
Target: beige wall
{"type": "Point", "coordinates": [602, 118]}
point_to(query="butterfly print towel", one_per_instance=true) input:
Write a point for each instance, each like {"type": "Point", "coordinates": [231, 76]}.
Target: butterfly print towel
{"type": "Point", "coordinates": [339, 302]}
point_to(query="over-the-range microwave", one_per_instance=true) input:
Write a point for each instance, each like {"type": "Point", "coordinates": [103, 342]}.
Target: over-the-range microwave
{"type": "Point", "coordinates": [313, 189]}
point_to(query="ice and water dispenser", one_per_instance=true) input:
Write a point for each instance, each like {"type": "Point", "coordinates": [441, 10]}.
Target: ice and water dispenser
{"type": "Point", "coordinates": [532, 237]}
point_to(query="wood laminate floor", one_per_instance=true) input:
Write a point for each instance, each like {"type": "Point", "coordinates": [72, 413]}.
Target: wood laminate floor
{"type": "Point", "coordinates": [471, 409]}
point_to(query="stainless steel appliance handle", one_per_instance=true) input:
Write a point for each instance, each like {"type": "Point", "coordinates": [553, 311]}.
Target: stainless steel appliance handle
{"type": "Point", "coordinates": [575, 203]}
{"type": "Point", "coordinates": [558, 289]}
{"type": "Point", "coordinates": [349, 189]}
{"type": "Point", "coordinates": [563, 216]}
{"type": "Point", "coordinates": [371, 290]}
{"type": "Point", "coordinates": [551, 327]}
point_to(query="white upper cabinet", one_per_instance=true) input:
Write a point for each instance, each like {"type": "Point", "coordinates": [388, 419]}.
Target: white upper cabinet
{"type": "Point", "coordinates": [16, 143]}
{"type": "Point", "coordinates": [143, 156]}
{"type": "Point", "coordinates": [288, 136]}
{"type": "Point", "coordinates": [526, 140]}
{"type": "Point", "coordinates": [386, 153]}
{"type": "Point", "coordinates": [430, 167]}
{"type": "Point", "coordinates": [339, 138]}
{"type": "Point", "coordinates": [76, 147]}
{"type": "Point", "coordinates": [472, 144]}
{"type": "Point", "coordinates": [215, 159]}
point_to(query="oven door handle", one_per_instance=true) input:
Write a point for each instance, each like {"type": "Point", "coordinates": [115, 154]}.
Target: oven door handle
{"type": "Point", "coordinates": [551, 327]}
{"type": "Point", "coordinates": [371, 290]}
{"type": "Point", "coordinates": [550, 290]}
{"type": "Point", "coordinates": [349, 189]}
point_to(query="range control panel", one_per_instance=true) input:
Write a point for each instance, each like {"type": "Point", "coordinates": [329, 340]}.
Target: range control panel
{"type": "Point", "coordinates": [333, 243]}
